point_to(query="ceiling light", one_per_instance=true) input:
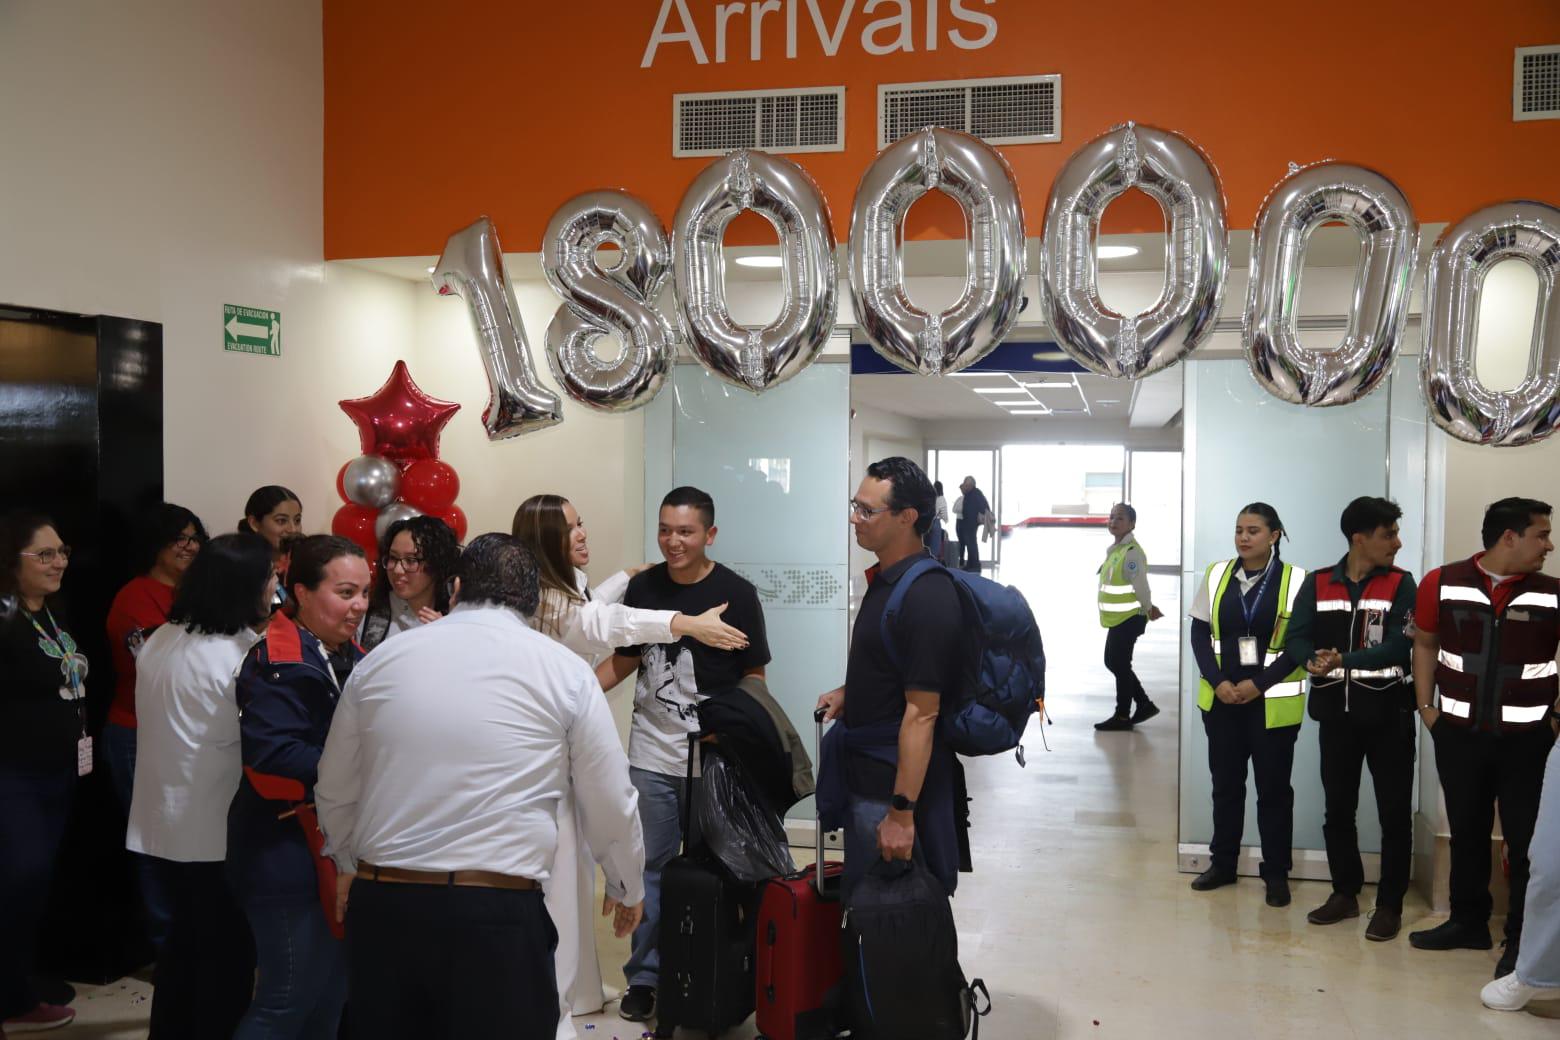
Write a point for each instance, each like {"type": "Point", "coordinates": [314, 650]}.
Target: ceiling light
{"type": "Point", "coordinates": [1115, 252]}
{"type": "Point", "coordinates": [765, 261]}
{"type": "Point", "coordinates": [1050, 384]}
{"type": "Point", "coordinates": [430, 270]}
{"type": "Point", "coordinates": [1029, 411]}
{"type": "Point", "coordinates": [1016, 402]}
{"type": "Point", "coordinates": [1109, 401]}
{"type": "Point", "coordinates": [1001, 390]}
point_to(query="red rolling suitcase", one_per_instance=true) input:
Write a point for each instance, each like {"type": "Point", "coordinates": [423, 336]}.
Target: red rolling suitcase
{"type": "Point", "coordinates": [799, 949]}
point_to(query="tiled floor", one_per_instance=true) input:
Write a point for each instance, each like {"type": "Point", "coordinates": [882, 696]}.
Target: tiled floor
{"type": "Point", "coordinates": [1076, 916]}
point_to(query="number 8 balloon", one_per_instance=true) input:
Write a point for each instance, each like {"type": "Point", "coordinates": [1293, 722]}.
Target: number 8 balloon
{"type": "Point", "coordinates": [755, 359]}
{"type": "Point", "coordinates": [598, 301]}
{"type": "Point", "coordinates": [472, 267]}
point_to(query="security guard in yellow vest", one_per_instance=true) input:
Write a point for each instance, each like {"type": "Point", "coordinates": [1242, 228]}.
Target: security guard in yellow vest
{"type": "Point", "coordinates": [1126, 608]}
{"type": "Point", "coordinates": [1252, 697]}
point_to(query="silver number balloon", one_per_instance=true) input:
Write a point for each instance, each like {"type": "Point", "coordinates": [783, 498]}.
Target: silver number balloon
{"type": "Point", "coordinates": [1462, 258]}
{"type": "Point", "coordinates": [598, 301]}
{"type": "Point", "coordinates": [755, 359]}
{"type": "Point", "coordinates": [472, 268]}
{"type": "Point", "coordinates": [390, 514]}
{"type": "Point", "coordinates": [975, 176]}
{"type": "Point", "coordinates": [1176, 174]}
{"type": "Point", "coordinates": [1380, 214]}
{"type": "Point", "coordinates": [371, 481]}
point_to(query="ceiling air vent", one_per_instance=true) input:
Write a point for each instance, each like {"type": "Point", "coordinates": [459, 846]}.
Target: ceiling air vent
{"type": "Point", "coordinates": [1001, 110]}
{"type": "Point", "coordinates": [807, 120]}
{"type": "Point", "coordinates": [1535, 83]}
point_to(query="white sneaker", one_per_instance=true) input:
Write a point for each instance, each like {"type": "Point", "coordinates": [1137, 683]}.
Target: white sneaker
{"type": "Point", "coordinates": [1509, 993]}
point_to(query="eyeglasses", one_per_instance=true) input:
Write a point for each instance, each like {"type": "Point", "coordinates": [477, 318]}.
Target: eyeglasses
{"type": "Point", "coordinates": [866, 512]}
{"type": "Point", "coordinates": [184, 541]}
{"type": "Point", "coordinates": [409, 564]}
{"type": "Point", "coordinates": [48, 556]}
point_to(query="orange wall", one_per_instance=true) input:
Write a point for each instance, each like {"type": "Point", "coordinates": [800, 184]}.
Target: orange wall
{"type": "Point", "coordinates": [435, 113]}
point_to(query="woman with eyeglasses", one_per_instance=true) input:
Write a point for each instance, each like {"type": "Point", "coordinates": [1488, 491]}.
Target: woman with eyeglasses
{"type": "Point", "coordinates": [1252, 697]}
{"type": "Point", "coordinates": [592, 623]}
{"type": "Point", "coordinates": [287, 691]}
{"type": "Point", "coordinates": [417, 559]}
{"type": "Point", "coordinates": [44, 748]}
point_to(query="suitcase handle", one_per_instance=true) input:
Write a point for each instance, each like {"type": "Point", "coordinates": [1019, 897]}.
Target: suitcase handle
{"type": "Point", "coordinates": [818, 717]}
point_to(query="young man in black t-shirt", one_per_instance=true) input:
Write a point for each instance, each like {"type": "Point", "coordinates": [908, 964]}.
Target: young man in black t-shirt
{"type": "Point", "coordinates": [672, 679]}
{"type": "Point", "coordinates": [890, 513]}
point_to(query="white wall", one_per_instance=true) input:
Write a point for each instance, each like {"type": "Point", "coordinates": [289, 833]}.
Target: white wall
{"type": "Point", "coordinates": [163, 158]}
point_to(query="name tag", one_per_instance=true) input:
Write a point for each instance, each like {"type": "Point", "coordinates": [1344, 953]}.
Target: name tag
{"type": "Point", "coordinates": [1375, 628]}
{"type": "Point", "coordinates": [1518, 615]}
{"type": "Point", "coordinates": [83, 756]}
{"type": "Point", "coordinates": [1248, 651]}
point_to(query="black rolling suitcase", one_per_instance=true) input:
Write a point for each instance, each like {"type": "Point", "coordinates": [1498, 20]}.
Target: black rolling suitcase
{"type": "Point", "coordinates": [707, 940]}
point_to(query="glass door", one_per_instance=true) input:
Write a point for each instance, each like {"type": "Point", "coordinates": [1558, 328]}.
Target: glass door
{"type": "Point", "coordinates": [1154, 490]}
{"type": "Point", "coordinates": [951, 466]}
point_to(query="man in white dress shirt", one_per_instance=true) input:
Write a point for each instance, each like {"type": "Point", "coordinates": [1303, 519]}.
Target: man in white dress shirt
{"type": "Point", "coordinates": [450, 751]}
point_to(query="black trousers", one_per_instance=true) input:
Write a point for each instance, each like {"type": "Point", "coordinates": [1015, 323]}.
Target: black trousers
{"type": "Point", "coordinates": [1238, 733]}
{"type": "Point", "coordinates": [969, 544]}
{"type": "Point", "coordinates": [1388, 748]}
{"type": "Point", "coordinates": [1119, 643]}
{"type": "Point", "coordinates": [1477, 770]}
{"type": "Point", "coordinates": [206, 971]}
{"type": "Point", "coordinates": [441, 961]}
{"type": "Point", "coordinates": [34, 805]}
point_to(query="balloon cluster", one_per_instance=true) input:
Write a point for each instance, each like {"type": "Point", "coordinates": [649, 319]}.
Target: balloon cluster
{"type": "Point", "coordinates": [399, 475]}
{"type": "Point", "coordinates": [598, 301]}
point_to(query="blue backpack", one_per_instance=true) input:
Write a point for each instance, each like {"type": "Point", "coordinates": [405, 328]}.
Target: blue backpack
{"type": "Point", "coordinates": [1002, 681]}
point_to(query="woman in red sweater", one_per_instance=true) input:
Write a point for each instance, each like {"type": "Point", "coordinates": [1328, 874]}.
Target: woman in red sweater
{"type": "Point", "coordinates": [171, 537]}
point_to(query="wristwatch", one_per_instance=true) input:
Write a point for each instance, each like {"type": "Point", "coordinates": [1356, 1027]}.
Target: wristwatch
{"type": "Point", "coordinates": [902, 804]}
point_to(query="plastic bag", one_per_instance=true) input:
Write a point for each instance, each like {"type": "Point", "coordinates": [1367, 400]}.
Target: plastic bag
{"type": "Point", "coordinates": [733, 823]}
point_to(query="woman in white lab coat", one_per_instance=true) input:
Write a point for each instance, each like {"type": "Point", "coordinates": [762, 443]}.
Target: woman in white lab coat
{"type": "Point", "coordinates": [592, 623]}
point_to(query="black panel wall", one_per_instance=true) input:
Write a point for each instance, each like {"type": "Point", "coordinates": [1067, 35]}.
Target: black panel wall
{"type": "Point", "coordinates": [81, 438]}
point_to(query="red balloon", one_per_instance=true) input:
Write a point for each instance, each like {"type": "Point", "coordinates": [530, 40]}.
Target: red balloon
{"type": "Point", "coordinates": [341, 481]}
{"type": "Point", "coordinates": [356, 523]}
{"type": "Point", "coordinates": [399, 421]}
{"type": "Point", "coordinates": [430, 485]}
{"type": "Point", "coordinates": [455, 519]}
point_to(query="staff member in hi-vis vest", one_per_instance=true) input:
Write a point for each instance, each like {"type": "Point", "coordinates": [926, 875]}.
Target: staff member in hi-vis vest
{"type": "Point", "coordinates": [1252, 697]}
{"type": "Point", "coordinates": [1126, 608]}
{"type": "Point", "coordinates": [1349, 626]}
{"type": "Point", "coordinates": [1487, 630]}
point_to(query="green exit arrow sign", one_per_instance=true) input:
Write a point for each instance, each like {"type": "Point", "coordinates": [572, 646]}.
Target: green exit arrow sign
{"type": "Point", "coordinates": [250, 330]}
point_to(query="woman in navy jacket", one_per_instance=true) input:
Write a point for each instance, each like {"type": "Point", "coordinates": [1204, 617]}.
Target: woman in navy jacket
{"type": "Point", "coordinates": [287, 690]}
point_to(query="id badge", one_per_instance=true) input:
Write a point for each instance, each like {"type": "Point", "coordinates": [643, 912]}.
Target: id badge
{"type": "Point", "coordinates": [1248, 651]}
{"type": "Point", "coordinates": [83, 756]}
{"type": "Point", "coordinates": [1375, 629]}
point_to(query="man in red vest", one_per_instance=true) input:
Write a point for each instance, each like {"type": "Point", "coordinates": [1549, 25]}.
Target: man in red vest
{"type": "Point", "coordinates": [1487, 632]}
{"type": "Point", "coordinates": [1350, 627]}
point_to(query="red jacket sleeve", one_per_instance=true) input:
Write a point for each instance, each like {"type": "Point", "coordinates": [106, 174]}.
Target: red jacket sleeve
{"type": "Point", "coordinates": [1427, 607]}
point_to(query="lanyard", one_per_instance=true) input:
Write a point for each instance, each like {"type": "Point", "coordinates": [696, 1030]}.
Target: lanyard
{"type": "Point", "coordinates": [61, 647]}
{"type": "Point", "coordinates": [1250, 611]}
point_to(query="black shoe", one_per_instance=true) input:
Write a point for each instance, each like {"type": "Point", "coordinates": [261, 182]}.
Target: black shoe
{"type": "Point", "coordinates": [1278, 892]}
{"type": "Point", "coordinates": [1212, 878]}
{"type": "Point", "coordinates": [1115, 722]}
{"type": "Point", "coordinates": [638, 1004]}
{"type": "Point", "coordinates": [1338, 907]}
{"type": "Point", "coordinates": [1384, 924]}
{"type": "Point", "coordinates": [1452, 935]}
{"type": "Point", "coordinates": [1144, 712]}
{"type": "Point", "coordinates": [1508, 958]}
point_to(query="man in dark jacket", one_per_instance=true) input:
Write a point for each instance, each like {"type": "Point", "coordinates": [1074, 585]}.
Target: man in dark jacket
{"type": "Point", "coordinates": [971, 512]}
{"type": "Point", "coordinates": [1349, 626]}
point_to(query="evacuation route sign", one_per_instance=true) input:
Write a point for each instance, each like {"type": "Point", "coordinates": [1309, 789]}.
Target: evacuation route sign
{"type": "Point", "coordinates": [251, 331]}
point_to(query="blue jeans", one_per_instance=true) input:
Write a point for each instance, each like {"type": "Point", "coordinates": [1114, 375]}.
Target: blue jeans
{"type": "Point", "coordinates": [118, 745]}
{"type": "Point", "coordinates": [660, 815]}
{"type": "Point", "coordinates": [303, 974]}
{"type": "Point", "coordinates": [1538, 960]}
{"type": "Point", "coordinates": [34, 805]}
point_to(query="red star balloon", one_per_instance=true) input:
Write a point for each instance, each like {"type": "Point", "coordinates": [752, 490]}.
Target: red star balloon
{"type": "Point", "coordinates": [400, 422]}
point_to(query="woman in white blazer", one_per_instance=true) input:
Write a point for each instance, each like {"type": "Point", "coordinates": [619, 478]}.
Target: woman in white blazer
{"type": "Point", "coordinates": [592, 623]}
{"type": "Point", "coordinates": [185, 775]}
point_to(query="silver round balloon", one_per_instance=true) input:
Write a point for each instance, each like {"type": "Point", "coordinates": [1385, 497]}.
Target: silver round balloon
{"type": "Point", "coordinates": [975, 176]}
{"type": "Point", "coordinates": [1176, 174]}
{"type": "Point", "coordinates": [472, 268]}
{"type": "Point", "coordinates": [390, 514]}
{"type": "Point", "coordinates": [598, 301]}
{"type": "Point", "coordinates": [755, 359]}
{"type": "Point", "coordinates": [1462, 258]}
{"type": "Point", "coordinates": [1378, 312]}
{"type": "Point", "coordinates": [371, 481]}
